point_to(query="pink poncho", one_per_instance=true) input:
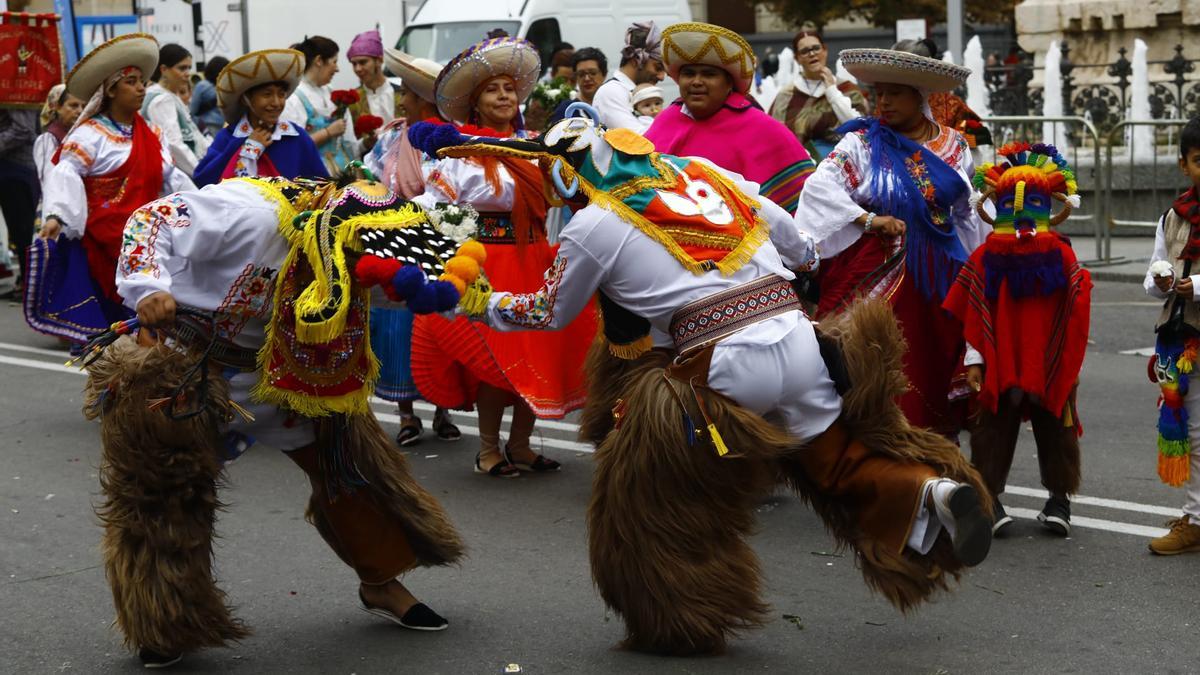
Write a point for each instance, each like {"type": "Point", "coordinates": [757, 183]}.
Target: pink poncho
{"type": "Point", "coordinates": [740, 138]}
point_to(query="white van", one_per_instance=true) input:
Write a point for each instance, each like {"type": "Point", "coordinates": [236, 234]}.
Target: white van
{"type": "Point", "coordinates": [440, 29]}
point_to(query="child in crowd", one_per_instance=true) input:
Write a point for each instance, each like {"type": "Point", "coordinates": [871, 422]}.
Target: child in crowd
{"type": "Point", "coordinates": [647, 101]}
{"type": "Point", "coordinates": [1173, 276]}
{"type": "Point", "coordinates": [1024, 302]}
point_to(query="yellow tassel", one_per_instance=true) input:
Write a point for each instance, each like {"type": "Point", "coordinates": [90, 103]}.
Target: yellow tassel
{"type": "Point", "coordinates": [475, 301]}
{"type": "Point", "coordinates": [633, 350]}
{"type": "Point", "coordinates": [246, 414]}
{"type": "Point", "coordinates": [1068, 416]}
{"type": "Point", "coordinates": [718, 442]}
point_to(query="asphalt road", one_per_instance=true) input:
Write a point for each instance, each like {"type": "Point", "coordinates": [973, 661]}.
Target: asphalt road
{"type": "Point", "coordinates": [1094, 603]}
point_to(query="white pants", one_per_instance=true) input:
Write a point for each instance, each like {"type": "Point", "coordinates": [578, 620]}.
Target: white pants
{"type": "Point", "coordinates": [783, 379]}
{"type": "Point", "coordinates": [271, 425]}
{"type": "Point", "coordinates": [1191, 505]}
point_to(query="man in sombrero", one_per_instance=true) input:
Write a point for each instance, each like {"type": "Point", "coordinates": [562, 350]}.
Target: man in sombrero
{"type": "Point", "coordinates": [241, 359]}
{"type": "Point", "coordinates": [110, 163]}
{"type": "Point", "coordinates": [688, 446]}
{"type": "Point", "coordinates": [715, 118]}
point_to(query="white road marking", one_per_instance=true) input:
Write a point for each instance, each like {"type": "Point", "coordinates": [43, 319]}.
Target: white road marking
{"type": "Point", "coordinates": [1098, 501]}
{"type": "Point", "coordinates": [57, 353]}
{"type": "Point", "coordinates": [1144, 351]}
{"type": "Point", "coordinates": [575, 446]}
{"type": "Point", "coordinates": [1128, 303]}
{"type": "Point", "coordinates": [1095, 523]}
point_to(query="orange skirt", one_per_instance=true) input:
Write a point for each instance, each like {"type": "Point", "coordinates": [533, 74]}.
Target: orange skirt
{"type": "Point", "coordinates": [545, 368]}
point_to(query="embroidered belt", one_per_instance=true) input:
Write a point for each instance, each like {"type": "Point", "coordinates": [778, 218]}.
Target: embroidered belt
{"type": "Point", "coordinates": [495, 228]}
{"type": "Point", "coordinates": [197, 337]}
{"type": "Point", "coordinates": [710, 319]}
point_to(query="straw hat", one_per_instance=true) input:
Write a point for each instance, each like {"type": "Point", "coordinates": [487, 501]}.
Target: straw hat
{"type": "Point", "coordinates": [514, 57]}
{"type": "Point", "coordinates": [418, 74]}
{"type": "Point", "coordinates": [246, 72]}
{"type": "Point", "coordinates": [706, 44]}
{"type": "Point", "coordinates": [874, 66]}
{"type": "Point", "coordinates": [134, 49]}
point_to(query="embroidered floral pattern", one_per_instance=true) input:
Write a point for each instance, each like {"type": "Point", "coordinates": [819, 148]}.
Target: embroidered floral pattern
{"type": "Point", "coordinates": [141, 233]}
{"type": "Point", "coordinates": [842, 160]}
{"type": "Point", "coordinates": [73, 148]}
{"type": "Point", "coordinates": [249, 297]}
{"type": "Point", "coordinates": [534, 310]}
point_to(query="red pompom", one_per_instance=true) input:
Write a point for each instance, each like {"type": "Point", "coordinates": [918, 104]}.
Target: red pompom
{"type": "Point", "coordinates": [372, 270]}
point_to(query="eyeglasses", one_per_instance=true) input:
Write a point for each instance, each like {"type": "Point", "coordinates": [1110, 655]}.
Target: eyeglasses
{"type": "Point", "coordinates": [810, 50]}
{"type": "Point", "coordinates": [587, 73]}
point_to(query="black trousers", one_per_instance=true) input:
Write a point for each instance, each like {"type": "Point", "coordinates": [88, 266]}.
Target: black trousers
{"type": "Point", "coordinates": [18, 200]}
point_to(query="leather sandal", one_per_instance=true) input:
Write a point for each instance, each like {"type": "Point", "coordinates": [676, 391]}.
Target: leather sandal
{"type": "Point", "coordinates": [540, 463]}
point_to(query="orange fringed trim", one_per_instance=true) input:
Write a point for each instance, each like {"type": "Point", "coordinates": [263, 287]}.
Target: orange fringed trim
{"type": "Point", "coordinates": [1173, 469]}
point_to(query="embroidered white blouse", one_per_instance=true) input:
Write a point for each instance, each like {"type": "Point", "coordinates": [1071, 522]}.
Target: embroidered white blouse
{"type": "Point", "coordinates": [217, 249]}
{"type": "Point", "coordinates": [251, 150]}
{"type": "Point", "coordinates": [167, 111]}
{"type": "Point", "coordinates": [462, 181]}
{"type": "Point", "coordinates": [99, 146]}
{"type": "Point", "coordinates": [836, 194]}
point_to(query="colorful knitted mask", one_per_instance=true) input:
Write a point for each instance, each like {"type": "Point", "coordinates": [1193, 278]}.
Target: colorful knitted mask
{"type": "Point", "coordinates": [1022, 250]}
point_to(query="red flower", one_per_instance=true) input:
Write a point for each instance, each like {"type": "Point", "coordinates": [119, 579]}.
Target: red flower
{"type": "Point", "coordinates": [344, 97]}
{"type": "Point", "coordinates": [365, 124]}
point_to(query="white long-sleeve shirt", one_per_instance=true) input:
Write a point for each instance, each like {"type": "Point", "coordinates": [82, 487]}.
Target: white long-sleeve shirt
{"type": "Point", "coordinates": [97, 147]}
{"type": "Point", "coordinates": [837, 194]}
{"type": "Point", "coordinates": [321, 100]}
{"type": "Point", "coordinates": [167, 111]}
{"type": "Point", "coordinates": [43, 155]}
{"type": "Point", "coordinates": [614, 102]}
{"type": "Point", "coordinates": [217, 249]}
{"type": "Point", "coordinates": [1160, 253]}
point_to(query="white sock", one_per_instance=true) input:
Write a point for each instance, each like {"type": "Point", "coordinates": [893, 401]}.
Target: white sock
{"type": "Point", "coordinates": [941, 489]}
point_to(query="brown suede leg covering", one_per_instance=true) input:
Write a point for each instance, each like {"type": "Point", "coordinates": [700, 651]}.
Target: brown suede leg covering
{"type": "Point", "coordinates": [994, 441]}
{"type": "Point", "coordinates": [354, 526]}
{"type": "Point", "coordinates": [885, 490]}
{"type": "Point", "coordinates": [1057, 451]}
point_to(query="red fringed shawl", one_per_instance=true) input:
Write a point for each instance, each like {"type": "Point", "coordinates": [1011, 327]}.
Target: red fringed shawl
{"type": "Point", "coordinates": [1032, 341]}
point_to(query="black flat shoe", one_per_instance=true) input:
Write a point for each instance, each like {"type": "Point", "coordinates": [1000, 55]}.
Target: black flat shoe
{"type": "Point", "coordinates": [972, 527]}
{"type": "Point", "coordinates": [153, 659]}
{"type": "Point", "coordinates": [410, 431]}
{"type": "Point", "coordinates": [502, 469]}
{"type": "Point", "coordinates": [418, 617]}
{"type": "Point", "coordinates": [1000, 519]}
{"type": "Point", "coordinates": [540, 464]}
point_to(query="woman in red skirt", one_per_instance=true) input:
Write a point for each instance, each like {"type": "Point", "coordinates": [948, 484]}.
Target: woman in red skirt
{"type": "Point", "coordinates": [459, 364]}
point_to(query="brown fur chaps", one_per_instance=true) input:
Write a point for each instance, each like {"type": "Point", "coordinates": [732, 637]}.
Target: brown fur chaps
{"type": "Point", "coordinates": [668, 522]}
{"type": "Point", "coordinates": [158, 478]}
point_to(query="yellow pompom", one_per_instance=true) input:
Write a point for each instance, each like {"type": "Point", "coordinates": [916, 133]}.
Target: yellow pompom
{"type": "Point", "coordinates": [473, 250]}
{"type": "Point", "coordinates": [458, 283]}
{"type": "Point", "coordinates": [463, 267]}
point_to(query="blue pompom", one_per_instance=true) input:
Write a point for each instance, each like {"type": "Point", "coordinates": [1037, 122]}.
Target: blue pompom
{"type": "Point", "coordinates": [408, 282]}
{"type": "Point", "coordinates": [429, 137]}
{"type": "Point", "coordinates": [425, 301]}
{"type": "Point", "coordinates": [447, 295]}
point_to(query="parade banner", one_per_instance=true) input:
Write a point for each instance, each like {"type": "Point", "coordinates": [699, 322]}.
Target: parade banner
{"type": "Point", "coordinates": [31, 60]}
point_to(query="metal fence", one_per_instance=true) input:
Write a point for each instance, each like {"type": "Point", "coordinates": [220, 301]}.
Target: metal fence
{"type": "Point", "coordinates": [1106, 97]}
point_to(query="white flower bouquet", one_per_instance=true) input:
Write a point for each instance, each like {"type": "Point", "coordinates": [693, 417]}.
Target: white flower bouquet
{"type": "Point", "coordinates": [457, 222]}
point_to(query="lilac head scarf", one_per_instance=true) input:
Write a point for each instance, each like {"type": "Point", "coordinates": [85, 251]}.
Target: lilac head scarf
{"type": "Point", "coordinates": [366, 44]}
{"type": "Point", "coordinates": [651, 50]}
